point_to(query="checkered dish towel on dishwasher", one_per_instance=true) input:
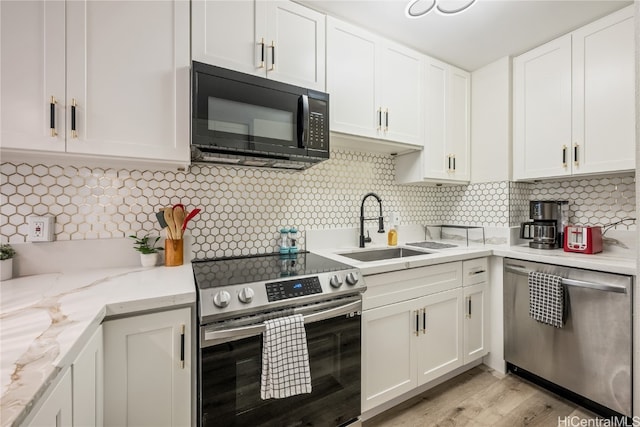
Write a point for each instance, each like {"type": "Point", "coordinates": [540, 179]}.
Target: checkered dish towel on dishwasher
{"type": "Point", "coordinates": [285, 358]}
{"type": "Point", "coordinates": [546, 298]}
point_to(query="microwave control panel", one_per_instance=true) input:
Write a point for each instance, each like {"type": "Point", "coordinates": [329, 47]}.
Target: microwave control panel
{"type": "Point", "coordinates": [318, 132]}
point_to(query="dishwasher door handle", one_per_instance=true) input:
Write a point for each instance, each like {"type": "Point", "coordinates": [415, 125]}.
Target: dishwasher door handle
{"type": "Point", "coordinates": [518, 269]}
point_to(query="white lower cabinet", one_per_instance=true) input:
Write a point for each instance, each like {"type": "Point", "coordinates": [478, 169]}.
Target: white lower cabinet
{"type": "Point", "coordinates": [389, 363]}
{"type": "Point", "coordinates": [147, 370]}
{"type": "Point", "coordinates": [439, 334]}
{"type": "Point", "coordinates": [416, 327]}
{"type": "Point", "coordinates": [476, 311]}
{"type": "Point", "coordinates": [475, 322]}
{"type": "Point", "coordinates": [56, 409]}
{"type": "Point", "coordinates": [88, 383]}
{"type": "Point", "coordinates": [76, 399]}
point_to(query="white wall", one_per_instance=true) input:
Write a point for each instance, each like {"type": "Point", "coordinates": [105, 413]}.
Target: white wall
{"type": "Point", "coordinates": [491, 122]}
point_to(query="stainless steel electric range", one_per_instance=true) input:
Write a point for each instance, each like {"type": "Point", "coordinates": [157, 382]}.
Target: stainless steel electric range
{"type": "Point", "coordinates": [235, 297]}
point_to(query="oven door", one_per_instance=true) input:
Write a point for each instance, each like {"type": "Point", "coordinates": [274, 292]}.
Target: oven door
{"type": "Point", "coordinates": [230, 370]}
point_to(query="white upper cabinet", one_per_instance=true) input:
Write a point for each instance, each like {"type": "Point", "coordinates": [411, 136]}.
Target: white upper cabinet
{"type": "Point", "coordinates": [401, 89]}
{"type": "Point", "coordinates": [603, 94]}
{"type": "Point", "coordinates": [351, 79]}
{"type": "Point", "coordinates": [118, 73]}
{"type": "Point", "coordinates": [32, 75]}
{"type": "Point", "coordinates": [542, 111]}
{"type": "Point", "coordinates": [445, 157]}
{"type": "Point", "coordinates": [130, 79]}
{"type": "Point", "coordinates": [278, 40]}
{"type": "Point", "coordinates": [376, 86]}
{"type": "Point", "coordinates": [574, 102]}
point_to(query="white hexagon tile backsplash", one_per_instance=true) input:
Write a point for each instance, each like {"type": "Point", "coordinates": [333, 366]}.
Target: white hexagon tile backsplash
{"type": "Point", "coordinates": [243, 208]}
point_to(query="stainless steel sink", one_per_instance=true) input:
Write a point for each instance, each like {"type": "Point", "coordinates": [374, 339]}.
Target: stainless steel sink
{"type": "Point", "coordinates": [382, 254]}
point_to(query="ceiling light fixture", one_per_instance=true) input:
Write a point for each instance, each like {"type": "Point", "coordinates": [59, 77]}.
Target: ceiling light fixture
{"type": "Point", "coordinates": [418, 8]}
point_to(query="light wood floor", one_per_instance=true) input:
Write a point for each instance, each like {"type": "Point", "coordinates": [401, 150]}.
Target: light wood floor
{"type": "Point", "coordinates": [480, 398]}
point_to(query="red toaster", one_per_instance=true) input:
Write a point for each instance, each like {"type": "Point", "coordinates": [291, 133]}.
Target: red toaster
{"type": "Point", "coordinates": [585, 239]}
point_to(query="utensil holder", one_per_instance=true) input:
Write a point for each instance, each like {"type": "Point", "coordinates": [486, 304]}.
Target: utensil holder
{"type": "Point", "coordinates": [173, 252]}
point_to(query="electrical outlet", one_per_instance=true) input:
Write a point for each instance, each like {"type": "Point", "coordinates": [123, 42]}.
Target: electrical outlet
{"type": "Point", "coordinates": [40, 228]}
{"type": "Point", "coordinates": [394, 218]}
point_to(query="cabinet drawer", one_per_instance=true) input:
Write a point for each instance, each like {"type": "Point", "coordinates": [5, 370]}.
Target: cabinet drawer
{"type": "Point", "coordinates": [388, 288]}
{"type": "Point", "coordinates": [475, 271]}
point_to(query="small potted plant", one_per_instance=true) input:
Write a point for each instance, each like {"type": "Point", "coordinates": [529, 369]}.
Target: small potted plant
{"type": "Point", "coordinates": [148, 251]}
{"type": "Point", "coordinates": [6, 261]}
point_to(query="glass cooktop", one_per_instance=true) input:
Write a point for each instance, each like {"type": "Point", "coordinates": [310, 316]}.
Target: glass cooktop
{"type": "Point", "coordinates": [213, 273]}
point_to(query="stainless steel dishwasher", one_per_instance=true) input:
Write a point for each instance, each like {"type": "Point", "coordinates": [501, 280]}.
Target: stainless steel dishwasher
{"type": "Point", "coordinates": [589, 359]}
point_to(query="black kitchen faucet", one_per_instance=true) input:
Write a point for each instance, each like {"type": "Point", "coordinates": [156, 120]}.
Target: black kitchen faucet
{"type": "Point", "coordinates": [367, 239]}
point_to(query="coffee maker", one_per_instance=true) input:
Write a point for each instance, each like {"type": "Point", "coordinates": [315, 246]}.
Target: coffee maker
{"type": "Point", "coordinates": [546, 231]}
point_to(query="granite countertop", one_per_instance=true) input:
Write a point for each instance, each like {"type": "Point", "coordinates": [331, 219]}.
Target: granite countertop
{"type": "Point", "coordinates": [613, 263]}
{"type": "Point", "coordinates": [606, 261]}
{"type": "Point", "coordinates": [47, 319]}
{"type": "Point", "coordinates": [431, 257]}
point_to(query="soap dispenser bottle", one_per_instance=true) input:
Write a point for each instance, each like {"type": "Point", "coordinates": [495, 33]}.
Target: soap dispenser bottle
{"type": "Point", "coordinates": [392, 236]}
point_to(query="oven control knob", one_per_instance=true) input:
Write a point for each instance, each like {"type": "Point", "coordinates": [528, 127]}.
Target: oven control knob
{"type": "Point", "coordinates": [335, 281]}
{"type": "Point", "coordinates": [352, 278]}
{"type": "Point", "coordinates": [222, 299]}
{"type": "Point", "coordinates": [246, 295]}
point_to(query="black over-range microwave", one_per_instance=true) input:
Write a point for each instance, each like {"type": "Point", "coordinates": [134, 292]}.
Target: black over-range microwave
{"type": "Point", "coordinates": [238, 118]}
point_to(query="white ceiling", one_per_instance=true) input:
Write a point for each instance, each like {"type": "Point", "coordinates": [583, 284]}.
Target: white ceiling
{"type": "Point", "coordinates": [487, 31]}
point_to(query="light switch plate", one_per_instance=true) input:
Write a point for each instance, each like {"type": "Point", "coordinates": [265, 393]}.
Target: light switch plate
{"type": "Point", "coordinates": [40, 228]}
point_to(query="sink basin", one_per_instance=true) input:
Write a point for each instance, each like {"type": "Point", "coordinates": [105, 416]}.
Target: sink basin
{"type": "Point", "coordinates": [382, 254]}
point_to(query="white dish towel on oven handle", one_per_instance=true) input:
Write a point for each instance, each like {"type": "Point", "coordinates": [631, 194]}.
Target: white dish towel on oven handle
{"type": "Point", "coordinates": [285, 358]}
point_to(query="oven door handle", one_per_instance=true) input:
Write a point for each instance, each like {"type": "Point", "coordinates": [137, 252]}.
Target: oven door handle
{"type": "Point", "coordinates": [225, 335]}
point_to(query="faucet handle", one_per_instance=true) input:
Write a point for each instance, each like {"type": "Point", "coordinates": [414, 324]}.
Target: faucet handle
{"type": "Point", "coordinates": [368, 238]}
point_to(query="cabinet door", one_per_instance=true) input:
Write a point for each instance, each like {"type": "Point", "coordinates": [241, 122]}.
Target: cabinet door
{"type": "Point", "coordinates": [542, 111]}
{"type": "Point", "coordinates": [440, 342]}
{"type": "Point", "coordinates": [230, 34]}
{"type": "Point", "coordinates": [295, 45]}
{"type": "Point", "coordinates": [128, 68]}
{"type": "Point", "coordinates": [476, 325]}
{"type": "Point", "coordinates": [458, 123]}
{"type": "Point", "coordinates": [603, 94]}
{"type": "Point", "coordinates": [436, 154]}
{"type": "Point", "coordinates": [87, 371]}
{"type": "Point", "coordinates": [56, 408]}
{"type": "Point", "coordinates": [146, 382]}
{"type": "Point", "coordinates": [388, 353]}
{"type": "Point", "coordinates": [32, 62]}
{"type": "Point", "coordinates": [351, 79]}
{"type": "Point", "coordinates": [401, 90]}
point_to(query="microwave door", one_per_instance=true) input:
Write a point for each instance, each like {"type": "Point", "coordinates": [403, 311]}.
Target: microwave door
{"type": "Point", "coordinates": [237, 115]}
